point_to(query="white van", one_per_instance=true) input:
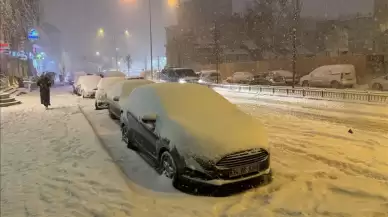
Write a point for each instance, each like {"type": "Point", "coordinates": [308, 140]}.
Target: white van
{"type": "Point", "coordinates": [334, 76]}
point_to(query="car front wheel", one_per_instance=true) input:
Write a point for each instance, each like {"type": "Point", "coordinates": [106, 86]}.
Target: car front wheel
{"type": "Point", "coordinates": [111, 115]}
{"type": "Point", "coordinates": [168, 166]}
{"type": "Point", "coordinates": [126, 137]}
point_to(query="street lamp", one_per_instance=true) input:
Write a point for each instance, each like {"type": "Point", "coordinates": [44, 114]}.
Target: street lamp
{"type": "Point", "coordinates": [127, 33]}
{"type": "Point", "coordinates": [97, 53]}
{"type": "Point", "coordinates": [101, 32]}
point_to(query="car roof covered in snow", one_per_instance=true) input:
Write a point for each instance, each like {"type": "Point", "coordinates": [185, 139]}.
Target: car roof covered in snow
{"type": "Point", "coordinates": [88, 81]}
{"type": "Point", "coordinates": [109, 81]}
{"type": "Point", "coordinates": [124, 88]}
{"type": "Point", "coordinates": [197, 119]}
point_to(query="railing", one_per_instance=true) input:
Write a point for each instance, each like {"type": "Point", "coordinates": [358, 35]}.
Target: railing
{"type": "Point", "coordinates": [311, 93]}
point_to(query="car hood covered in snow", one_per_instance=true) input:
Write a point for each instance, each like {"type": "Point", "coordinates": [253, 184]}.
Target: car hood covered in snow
{"type": "Point", "coordinates": [196, 120]}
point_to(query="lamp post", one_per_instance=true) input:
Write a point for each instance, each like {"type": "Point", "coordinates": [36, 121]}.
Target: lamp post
{"type": "Point", "coordinates": [150, 19]}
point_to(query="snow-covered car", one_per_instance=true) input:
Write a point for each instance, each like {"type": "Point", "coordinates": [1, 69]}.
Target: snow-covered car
{"type": "Point", "coordinates": [241, 78]}
{"type": "Point", "coordinates": [210, 76]}
{"type": "Point", "coordinates": [87, 85]}
{"type": "Point", "coordinates": [102, 88]}
{"type": "Point", "coordinates": [215, 144]}
{"type": "Point", "coordinates": [118, 94]}
{"type": "Point", "coordinates": [259, 79]}
{"type": "Point", "coordinates": [181, 75]}
{"type": "Point", "coordinates": [380, 83]}
{"type": "Point", "coordinates": [334, 76]}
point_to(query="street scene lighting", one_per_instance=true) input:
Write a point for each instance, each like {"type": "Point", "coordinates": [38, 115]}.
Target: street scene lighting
{"type": "Point", "coordinates": [101, 32]}
{"type": "Point", "coordinates": [97, 53]}
{"type": "Point", "coordinates": [172, 3]}
{"type": "Point", "coordinates": [127, 33]}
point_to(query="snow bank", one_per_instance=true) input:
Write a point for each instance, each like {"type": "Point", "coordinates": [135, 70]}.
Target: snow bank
{"type": "Point", "coordinates": [52, 164]}
{"type": "Point", "coordinates": [197, 120]}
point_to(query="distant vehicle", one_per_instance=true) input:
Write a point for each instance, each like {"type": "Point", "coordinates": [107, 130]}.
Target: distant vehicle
{"type": "Point", "coordinates": [281, 77]}
{"type": "Point", "coordinates": [380, 83]}
{"type": "Point", "coordinates": [86, 86]}
{"type": "Point", "coordinates": [181, 75]}
{"type": "Point", "coordinates": [118, 94]}
{"type": "Point", "coordinates": [215, 144]}
{"type": "Point", "coordinates": [334, 76]}
{"type": "Point", "coordinates": [135, 78]}
{"type": "Point", "coordinates": [103, 86]}
{"type": "Point", "coordinates": [260, 79]}
{"type": "Point", "coordinates": [210, 76]}
{"type": "Point", "coordinates": [241, 78]}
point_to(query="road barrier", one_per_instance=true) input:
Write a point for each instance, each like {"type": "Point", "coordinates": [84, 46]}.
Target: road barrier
{"type": "Point", "coordinates": [311, 93]}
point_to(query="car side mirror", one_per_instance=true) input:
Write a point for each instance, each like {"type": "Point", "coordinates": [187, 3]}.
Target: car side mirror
{"type": "Point", "coordinates": [149, 119]}
{"type": "Point", "coordinates": [116, 98]}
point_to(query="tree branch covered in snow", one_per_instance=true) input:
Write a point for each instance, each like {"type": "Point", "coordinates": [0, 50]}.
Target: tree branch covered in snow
{"type": "Point", "coordinates": [17, 17]}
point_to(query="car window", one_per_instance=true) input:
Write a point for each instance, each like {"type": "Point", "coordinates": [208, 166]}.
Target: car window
{"type": "Point", "coordinates": [185, 73]}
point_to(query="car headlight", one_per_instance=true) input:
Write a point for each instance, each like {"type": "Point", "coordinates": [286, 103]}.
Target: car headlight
{"type": "Point", "coordinates": [200, 81]}
{"type": "Point", "coordinates": [182, 81]}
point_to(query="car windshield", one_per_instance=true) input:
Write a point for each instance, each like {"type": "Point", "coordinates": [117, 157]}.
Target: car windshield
{"type": "Point", "coordinates": [307, 81]}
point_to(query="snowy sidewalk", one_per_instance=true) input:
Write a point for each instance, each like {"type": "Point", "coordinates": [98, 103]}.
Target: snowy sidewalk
{"type": "Point", "coordinates": [53, 165]}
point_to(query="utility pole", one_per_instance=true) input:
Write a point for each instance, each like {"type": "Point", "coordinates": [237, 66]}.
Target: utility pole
{"type": "Point", "coordinates": [297, 8]}
{"type": "Point", "coordinates": [150, 16]}
{"type": "Point", "coordinates": [158, 63]}
{"type": "Point", "coordinates": [116, 50]}
{"type": "Point", "coordinates": [217, 48]}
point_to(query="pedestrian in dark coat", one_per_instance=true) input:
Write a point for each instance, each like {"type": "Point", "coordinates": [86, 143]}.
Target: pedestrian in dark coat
{"type": "Point", "coordinates": [44, 84]}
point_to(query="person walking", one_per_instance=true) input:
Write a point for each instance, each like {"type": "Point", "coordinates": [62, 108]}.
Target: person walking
{"type": "Point", "coordinates": [44, 83]}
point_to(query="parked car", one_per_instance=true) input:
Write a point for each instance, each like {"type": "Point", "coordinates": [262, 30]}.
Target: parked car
{"type": "Point", "coordinates": [259, 79]}
{"type": "Point", "coordinates": [102, 88]}
{"type": "Point", "coordinates": [281, 77]}
{"type": "Point", "coordinates": [119, 92]}
{"type": "Point", "coordinates": [86, 86]}
{"type": "Point", "coordinates": [181, 75]}
{"type": "Point", "coordinates": [241, 78]}
{"type": "Point", "coordinates": [215, 144]}
{"type": "Point", "coordinates": [334, 76]}
{"type": "Point", "coordinates": [380, 83]}
{"type": "Point", "coordinates": [210, 76]}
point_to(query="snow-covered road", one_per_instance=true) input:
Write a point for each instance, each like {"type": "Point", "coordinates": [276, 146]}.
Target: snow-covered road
{"type": "Point", "coordinates": [52, 164]}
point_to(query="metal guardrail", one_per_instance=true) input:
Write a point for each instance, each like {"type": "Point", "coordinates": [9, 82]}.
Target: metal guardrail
{"type": "Point", "coordinates": [311, 93]}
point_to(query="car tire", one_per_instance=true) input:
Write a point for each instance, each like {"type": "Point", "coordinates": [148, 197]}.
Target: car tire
{"type": "Point", "coordinates": [335, 85]}
{"type": "Point", "coordinates": [111, 115]}
{"type": "Point", "coordinates": [126, 137]}
{"type": "Point", "coordinates": [305, 84]}
{"type": "Point", "coordinates": [168, 167]}
{"type": "Point", "coordinates": [96, 106]}
{"type": "Point", "coordinates": [377, 86]}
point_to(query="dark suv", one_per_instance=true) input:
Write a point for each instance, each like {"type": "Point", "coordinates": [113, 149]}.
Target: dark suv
{"type": "Point", "coordinates": [181, 75]}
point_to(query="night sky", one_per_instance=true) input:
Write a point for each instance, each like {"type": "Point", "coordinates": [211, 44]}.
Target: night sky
{"type": "Point", "coordinates": [79, 21]}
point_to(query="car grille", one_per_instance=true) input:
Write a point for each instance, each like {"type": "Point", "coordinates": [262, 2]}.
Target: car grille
{"type": "Point", "coordinates": [243, 158]}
